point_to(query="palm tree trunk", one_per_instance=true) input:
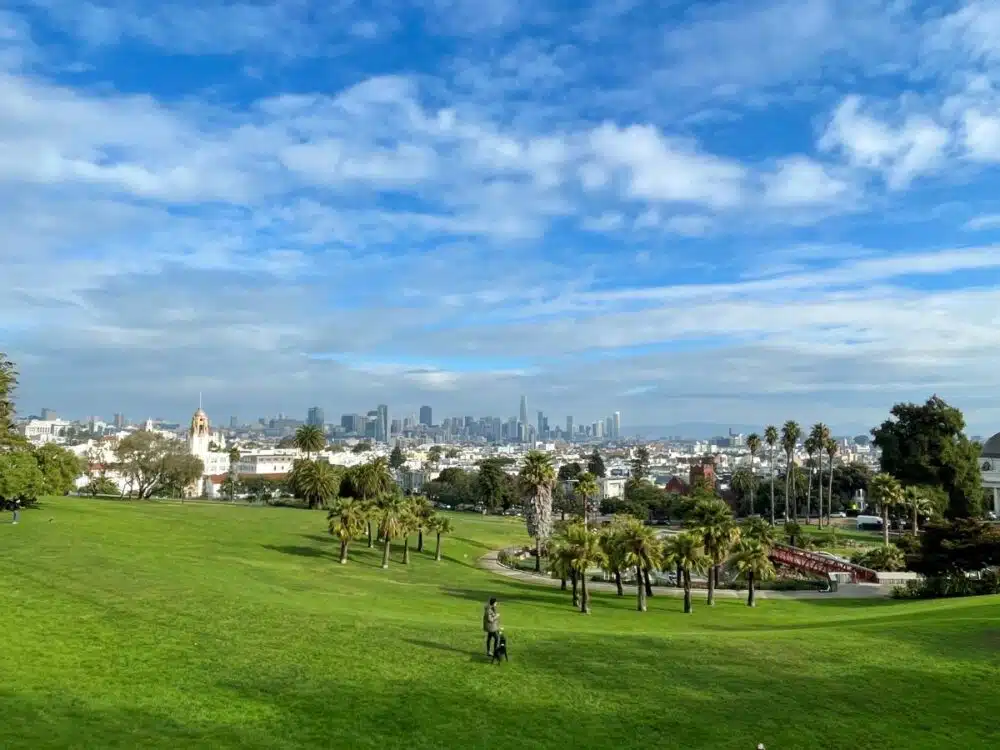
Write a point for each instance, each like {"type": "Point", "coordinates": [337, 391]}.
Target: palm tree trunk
{"type": "Point", "coordinates": [916, 520]}
{"type": "Point", "coordinates": [819, 493]}
{"type": "Point", "coordinates": [575, 580]}
{"type": "Point", "coordinates": [538, 555]}
{"type": "Point", "coordinates": [772, 487]}
{"type": "Point", "coordinates": [711, 585]}
{"type": "Point", "coordinates": [687, 592]}
{"type": "Point", "coordinates": [829, 494]}
{"type": "Point", "coordinates": [809, 493]}
{"type": "Point", "coordinates": [640, 590]}
{"type": "Point", "coordinates": [885, 524]}
{"type": "Point", "coordinates": [751, 601]}
{"type": "Point", "coordinates": [370, 544]}
{"type": "Point", "coordinates": [753, 485]}
{"type": "Point", "coordinates": [406, 550]}
{"type": "Point", "coordinates": [562, 583]}
{"type": "Point", "coordinates": [618, 582]}
{"type": "Point", "coordinates": [584, 594]}
{"type": "Point", "coordinates": [788, 478]}
{"type": "Point", "coordinates": [343, 552]}
{"type": "Point", "coordinates": [680, 576]}
{"type": "Point", "coordinates": [437, 552]}
{"type": "Point", "coordinates": [385, 554]}
{"type": "Point", "coordinates": [420, 540]}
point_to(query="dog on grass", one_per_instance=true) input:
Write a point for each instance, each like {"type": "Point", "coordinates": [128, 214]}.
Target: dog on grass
{"type": "Point", "coordinates": [500, 650]}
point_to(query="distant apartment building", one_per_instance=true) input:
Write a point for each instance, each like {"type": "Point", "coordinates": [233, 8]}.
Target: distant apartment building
{"type": "Point", "coordinates": [315, 417]}
{"type": "Point", "coordinates": [49, 415]}
{"type": "Point", "coordinates": [426, 416]}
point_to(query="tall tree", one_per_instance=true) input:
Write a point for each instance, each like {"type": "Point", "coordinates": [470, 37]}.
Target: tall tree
{"type": "Point", "coordinates": [434, 454]}
{"type": "Point", "coordinates": [887, 493]}
{"type": "Point", "coordinates": [392, 514]}
{"type": "Point", "coordinates": [152, 463]}
{"type": "Point", "coordinates": [758, 531]}
{"type": "Point", "coordinates": [60, 467]}
{"type": "Point", "coordinates": [585, 552]}
{"type": "Point", "coordinates": [493, 485]}
{"type": "Point", "coordinates": [753, 445]}
{"type": "Point", "coordinates": [570, 471]}
{"type": "Point", "coordinates": [640, 464]}
{"type": "Point", "coordinates": [309, 438]}
{"type": "Point", "coordinates": [819, 434]}
{"type": "Point", "coordinates": [595, 464]}
{"type": "Point", "coordinates": [830, 446]}
{"type": "Point", "coordinates": [537, 477]}
{"type": "Point", "coordinates": [440, 526]}
{"type": "Point", "coordinates": [397, 458]}
{"type": "Point", "coordinates": [811, 447]}
{"type": "Point", "coordinates": [771, 438]}
{"type": "Point", "coordinates": [917, 501]}
{"type": "Point", "coordinates": [790, 433]}
{"type": "Point", "coordinates": [611, 543]}
{"type": "Point", "coordinates": [371, 481]}
{"type": "Point", "coordinates": [742, 485]}
{"type": "Point", "coordinates": [587, 490]}
{"type": "Point", "coordinates": [641, 550]}
{"type": "Point", "coordinates": [686, 551]}
{"type": "Point", "coordinates": [925, 444]}
{"type": "Point", "coordinates": [753, 563]}
{"type": "Point", "coordinates": [8, 384]}
{"type": "Point", "coordinates": [316, 482]}
{"type": "Point", "coordinates": [232, 480]}
{"type": "Point", "coordinates": [20, 478]}
{"type": "Point", "coordinates": [346, 521]}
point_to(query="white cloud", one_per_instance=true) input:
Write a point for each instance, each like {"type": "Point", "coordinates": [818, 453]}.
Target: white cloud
{"type": "Point", "coordinates": [986, 221]}
{"type": "Point", "coordinates": [800, 181]}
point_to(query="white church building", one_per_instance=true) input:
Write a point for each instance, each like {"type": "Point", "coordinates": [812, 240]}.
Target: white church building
{"type": "Point", "coordinates": [216, 462]}
{"type": "Point", "coordinates": [989, 466]}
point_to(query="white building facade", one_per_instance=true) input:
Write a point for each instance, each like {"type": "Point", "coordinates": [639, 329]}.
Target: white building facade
{"type": "Point", "coordinates": [989, 467]}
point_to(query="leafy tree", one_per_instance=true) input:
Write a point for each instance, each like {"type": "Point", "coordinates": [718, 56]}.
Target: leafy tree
{"type": "Point", "coordinates": [888, 557]}
{"type": "Point", "coordinates": [309, 439]}
{"type": "Point", "coordinates": [793, 532]}
{"type": "Point", "coordinates": [955, 547]}
{"type": "Point", "coordinates": [886, 493]}
{"type": "Point", "coordinates": [423, 513]}
{"type": "Point", "coordinates": [742, 485]}
{"type": "Point", "coordinates": [20, 479]}
{"type": "Point", "coordinates": [584, 551]}
{"type": "Point", "coordinates": [316, 482]}
{"type": "Point", "coordinates": [790, 433]}
{"type": "Point", "coordinates": [610, 535]}
{"type": "Point", "coordinates": [100, 486]}
{"type": "Point", "coordinates": [713, 520]}
{"type": "Point", "coordinates": [638, 548]}
{"type": "Point", "coordinates": [392, 513]}
{"type": "Point", "coordinates": [397, 458]}
{"type": "Point", "coordinates": [346, 521]}
{"type": "Point", "coordinates": [536, 479]}
{"type": "Point", "coordinates": [60, 467]}
{"type": "Point", "coordinates": [752, 562]}
{"type": "Point", "coordinates": [440, 526]}
{"type": "Point", "coordinates": [686, 551]}
{"type": "Point", "coordinates": [916, 499]}
{"type": "Point", "coordinates": [434, 454]}
{"type": "Point", "coordinates": [231, 486]}
{"type": "Point", "coordinates": [152, 463]}
{"type": "Point", "coordinates": [925, 445]}
{"type": "Point", "coordinates": [570, 471]}
{"type": "Point", "coordinates": [771, 438]}
{"type": "Point", "coordinates": [560, 565]}
{"type": "Point", "coordinates": [362, 447]}
{"type": "Point", "coordinates": [287, 442]}
{"type": "Point", "coordinates": [260, 489]}
{"type": "Point", "coordinates": [494, 486]}
{"type": "Point", "coordinates": [587, 490]}
{"type": "Point", "coordinates": [452, 453]}
{"type": "Point", "coordinates": [640, 464]}
{"type": "Point", "coordinates": [595, 464]}
{"type": "Point", "coordinates": [372, 481]}
{"type": "Point", "coordinates": [8, 383]}
{"type": "Point", "coordinates": [753, 445]}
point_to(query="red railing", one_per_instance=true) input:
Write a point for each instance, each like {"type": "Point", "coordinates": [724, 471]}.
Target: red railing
{"type": "Point", "coordinates": [820, 564]}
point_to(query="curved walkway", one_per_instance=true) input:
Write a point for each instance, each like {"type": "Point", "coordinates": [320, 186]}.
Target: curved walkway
{"type": "Point", "coordinates": [844, 591]}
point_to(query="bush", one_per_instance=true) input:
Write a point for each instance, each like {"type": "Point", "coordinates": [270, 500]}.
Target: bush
{"type": "Point", "coordinates": [886, 558]}
{"type": "Point", "coordinates": [940, 587]}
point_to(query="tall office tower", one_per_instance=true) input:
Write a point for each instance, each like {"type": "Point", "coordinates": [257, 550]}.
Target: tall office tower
{"type": "Point", "coordinates": [119, 421]}
{"type": "Point", "coordinates": [524, 410]}
{"type": "Point", "coordinates": [383, 423]}
{"type": "Point", "coordinates": [233, 423]}
{"type": "Point", "coordinates": [425, 416]}
{"type": "Point", "coordinates": [609, 427]}
{"type": "Point", "coordinates": [315, 417]}
{"type": "Point", "coordinates": [541, 421]}
{"type": "Point", "coordinates": [48, 414]}
{"type": "Point", "coordinates": [617, 432]}
{"type": "Point", "coordinates": [395, 427]}
{"type": "Point", "coordinates": [569, 427]}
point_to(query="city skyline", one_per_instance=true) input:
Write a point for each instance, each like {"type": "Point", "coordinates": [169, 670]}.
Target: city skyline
{"type": "Point", "coordinates": [635, 206]}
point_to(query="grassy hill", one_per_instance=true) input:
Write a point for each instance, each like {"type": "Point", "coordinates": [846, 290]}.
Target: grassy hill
{"type": "Point", "coordinates": [160, 625]}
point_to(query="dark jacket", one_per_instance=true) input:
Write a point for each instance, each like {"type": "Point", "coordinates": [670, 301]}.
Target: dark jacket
{"type": "Point", "coordinates": [491, 619]}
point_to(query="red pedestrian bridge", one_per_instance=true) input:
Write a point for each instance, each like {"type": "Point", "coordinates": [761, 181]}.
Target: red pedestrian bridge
{"type": "Point", "coordinates": [817, 564]}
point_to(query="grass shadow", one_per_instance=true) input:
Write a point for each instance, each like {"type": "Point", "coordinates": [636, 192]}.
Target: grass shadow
{"type": "Point", "coordinates": [441, 647]}
{"type": "Point", "coordinates": [290, 549]}
{"type": "Point", "coordinates": [505, 592]}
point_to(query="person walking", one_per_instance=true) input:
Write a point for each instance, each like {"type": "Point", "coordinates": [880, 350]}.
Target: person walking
{"type": "Point", "coordinates": [17, 511]}
{"type": "Point", "coordinates": [491, 624]}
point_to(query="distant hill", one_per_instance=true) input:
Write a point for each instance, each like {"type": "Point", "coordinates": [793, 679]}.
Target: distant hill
{"type": "Point", "coordinates": [688, 430]}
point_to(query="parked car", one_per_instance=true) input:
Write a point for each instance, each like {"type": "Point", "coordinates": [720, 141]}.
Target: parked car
{"type": "Point", "coordinates": [841, 514]}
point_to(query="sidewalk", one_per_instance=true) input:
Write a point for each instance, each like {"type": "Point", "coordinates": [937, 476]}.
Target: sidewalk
{"type": "Point", "coordinates": [844, 591]}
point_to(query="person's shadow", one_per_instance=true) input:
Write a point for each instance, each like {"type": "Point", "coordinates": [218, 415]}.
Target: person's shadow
{"type": "Point", "coordinates": [474, 656]}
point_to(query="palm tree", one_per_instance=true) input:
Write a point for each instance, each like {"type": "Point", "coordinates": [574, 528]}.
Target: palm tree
{"type": "Point", "coordinates": [820, 433]}
{"type": "Point", "coordinates": [686, 551]}
{"type": "Point", "coordinates": [811, 448]}
{"type": "Point", "coordinates": [742, 485]}
{"type": "Point", "coordinates": [347, 521]}
{"type": "Point", "coordinates": [586, 488]}
{"type": "Point", "coordinates": [584, 549]}
{"type": "Point", "coordinates": [234, 458]}
{"type": "Point", "coordinates": [424, 512]}
{"type": "Point", "coordinates": [537, 478]}
{"type": "Point", "coordinates": [317, 482]}
{"type": "Point", "coordinates": [713, 521]}
{"type": "Point", "coordinates": [918, 501]}
{"type": "Point", "coordinates": [790, 433]}
{"type": "Point", "coordinates": [611, 538]}
{"type": "Point", "coordinates": [640, 549]}
{"type": "Point", "coordinates": [757, 531]}
{"type": "Point", "coordinates": [309, 438]}
{"type": "Point", "coordinates": [771, 438]}
{"type": "Point", "coordinates": [752, 562]}
{"type": "Point", "coordinates": [440, 526]}
{"type": "Point", "coordinates": [753, 443]}
{"type": "Point", "coordinates": [831, 450]}
{"type": "Point", "coordinates": [372, 481]}
{"type": "Point", "coordinates": [887, 493]}
{"type": "Point", "coordinates": [392, 513]}
{"type": "Point", "coordinates": [559, 564]}
{"type": "Point", "coordinates": [410, 523]}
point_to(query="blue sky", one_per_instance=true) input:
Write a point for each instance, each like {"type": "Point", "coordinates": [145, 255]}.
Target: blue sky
{"type": "Point", "coordinates": [736, 212]}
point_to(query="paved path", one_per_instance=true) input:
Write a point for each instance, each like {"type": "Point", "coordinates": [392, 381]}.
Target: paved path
{"type": "Point", "coordinates": [844, 591]}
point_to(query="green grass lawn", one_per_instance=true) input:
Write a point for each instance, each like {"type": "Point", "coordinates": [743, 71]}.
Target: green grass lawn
{"type": "Point", "coordinates": [156, 625]}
